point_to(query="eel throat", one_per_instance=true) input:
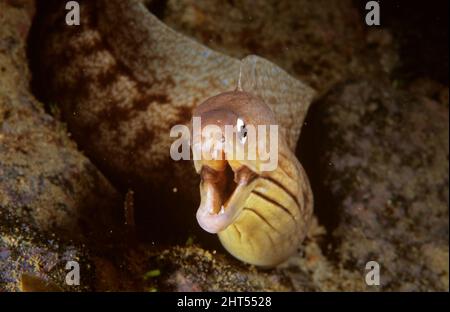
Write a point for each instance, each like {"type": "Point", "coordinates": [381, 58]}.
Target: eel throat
{"type": "Point", "coordinates": [223, 194]}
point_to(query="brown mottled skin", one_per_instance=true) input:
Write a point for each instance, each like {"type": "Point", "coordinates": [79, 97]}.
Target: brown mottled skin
{"type": "Point", "coordinates": [122, 79]}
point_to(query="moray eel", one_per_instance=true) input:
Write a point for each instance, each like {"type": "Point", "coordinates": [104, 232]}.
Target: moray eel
{"type": "Point", "coordinates": [260, 216]}
{"type": "Point", "coordinates": [123, 79]}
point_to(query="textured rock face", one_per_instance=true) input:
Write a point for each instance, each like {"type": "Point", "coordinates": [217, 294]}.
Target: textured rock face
{"type": "Point", "coordinates": [384, 160]}
{"type": "Point", "coordinates": [190, 268]}
{"type": "Point", "coordinates": [23, 253]}
{"type": "Point", "coordinates": [48, 189]}
{"type": "Point", "coordinates": [45, 181]}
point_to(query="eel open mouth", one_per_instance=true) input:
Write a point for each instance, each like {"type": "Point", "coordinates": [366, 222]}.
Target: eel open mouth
{"type": "Point", "coordinates": [225, 186]}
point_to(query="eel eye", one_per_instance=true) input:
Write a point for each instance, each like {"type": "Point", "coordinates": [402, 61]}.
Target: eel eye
{"type": "Point", "coordinates": [242, 130]}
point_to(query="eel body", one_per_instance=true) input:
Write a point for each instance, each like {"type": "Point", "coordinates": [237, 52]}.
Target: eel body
{"type": "Point", "coordinates": [123, 79]}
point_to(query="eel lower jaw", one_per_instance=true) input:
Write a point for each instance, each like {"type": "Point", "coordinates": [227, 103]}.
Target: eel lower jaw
{"type": "Point", "coordinates": [216, 211]}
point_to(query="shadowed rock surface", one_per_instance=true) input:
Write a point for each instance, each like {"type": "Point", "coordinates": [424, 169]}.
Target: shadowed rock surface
{"type": "Point", "coordinates": [384, 159]}
{"type": "Point", "coordinates": [45, 182]}
{"type": "Point", "coordinates": [28, 259]}
{"type": "Point", "coordinates": [46, 185]}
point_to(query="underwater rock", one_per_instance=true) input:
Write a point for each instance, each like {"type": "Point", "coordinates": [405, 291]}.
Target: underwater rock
{"type": "Point", "coordinates": [46, 184]}
{"type": "Point", "coordinates": [190, 268]}
{"type": "Point", "coordinates": [384, 162]}
{"type": "Point", "coordinates": [32, 262]}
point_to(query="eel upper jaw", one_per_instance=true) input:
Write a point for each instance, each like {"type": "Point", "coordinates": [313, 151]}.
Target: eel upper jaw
{"type": "Point", "coordinates": [217, 209]}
